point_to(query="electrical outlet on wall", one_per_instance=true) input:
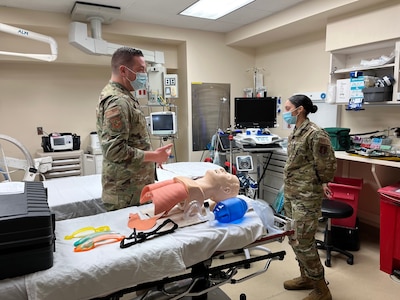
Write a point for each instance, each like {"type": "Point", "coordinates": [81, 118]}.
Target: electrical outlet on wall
{"type": "Point", "coordinates": [39, 130]}
{"type": "Point", "coordinates": [171, 86]}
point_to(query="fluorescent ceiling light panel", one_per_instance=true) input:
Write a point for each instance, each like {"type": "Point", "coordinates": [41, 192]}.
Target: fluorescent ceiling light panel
{"type": "Point", "coordinates": [214, 9]}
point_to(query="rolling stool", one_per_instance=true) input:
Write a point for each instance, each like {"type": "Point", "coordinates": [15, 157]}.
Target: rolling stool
{"type": "Point", "coordinates": [334, 209]}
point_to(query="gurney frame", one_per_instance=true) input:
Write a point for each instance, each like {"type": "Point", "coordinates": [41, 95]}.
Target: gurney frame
{"type": "Point", "coordinates": [203, 278]}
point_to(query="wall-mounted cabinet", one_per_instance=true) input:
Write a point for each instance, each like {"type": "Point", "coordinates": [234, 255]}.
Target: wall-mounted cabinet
{"type": "Point", "coordinates": [377, 60]}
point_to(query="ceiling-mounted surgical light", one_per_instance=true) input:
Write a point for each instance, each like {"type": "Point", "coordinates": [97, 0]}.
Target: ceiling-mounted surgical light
{"type": "Point", "coordinates": [213, 9]}
{"type": "Point", "coordinates": [83, 12]}
{"type": "Point", "coordinates": [32, 36]}
{"type": "Point", "coordinates": [97, 15]}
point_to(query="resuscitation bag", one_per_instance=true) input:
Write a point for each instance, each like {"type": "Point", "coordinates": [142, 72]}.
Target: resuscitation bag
{"type": "Point", "coordinates": [230, 210]}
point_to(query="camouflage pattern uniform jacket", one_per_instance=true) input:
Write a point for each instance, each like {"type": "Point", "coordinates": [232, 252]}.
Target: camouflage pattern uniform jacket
{"type": "Point", "coordinates": [311, 162]}
{"type": "Point", "coordinates": [122, 130]}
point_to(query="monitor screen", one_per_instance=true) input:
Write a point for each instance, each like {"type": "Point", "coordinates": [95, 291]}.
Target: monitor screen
{"type": "Point", "coordinates": [163, 123]}
{"type": "Point", "coordinates": [255, 112]}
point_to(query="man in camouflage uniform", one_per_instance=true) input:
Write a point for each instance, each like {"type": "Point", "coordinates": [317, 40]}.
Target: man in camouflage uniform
{"type": "Point", "coordinates": [128, 160]}
{"type": "Point", "coordinates": [311, 164]}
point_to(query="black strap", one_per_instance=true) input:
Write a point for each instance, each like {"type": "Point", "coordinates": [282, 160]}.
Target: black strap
{"type": "Point", "coordinates": [140, 237]}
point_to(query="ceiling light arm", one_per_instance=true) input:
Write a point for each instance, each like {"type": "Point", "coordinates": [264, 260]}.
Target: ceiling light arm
{"type": "Point", "coordinates": [78, 37]}
{"type": "Point", "coordinates": [33, 36]}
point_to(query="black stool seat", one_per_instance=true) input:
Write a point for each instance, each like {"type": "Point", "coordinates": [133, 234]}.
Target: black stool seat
{"type": "Point", "coordinates": [334, 209]}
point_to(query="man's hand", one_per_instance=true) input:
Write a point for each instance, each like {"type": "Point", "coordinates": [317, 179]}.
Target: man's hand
{"type": "Point", "coordinates": [160, 155]}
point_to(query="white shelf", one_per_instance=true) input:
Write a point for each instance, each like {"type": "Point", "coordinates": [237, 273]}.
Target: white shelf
{"type": "Point", "coordinates": [344, 61]}
{"type": "Point", "coordinates": [362, 68]}
{"type": "Point", "coordinates": [65, 163]}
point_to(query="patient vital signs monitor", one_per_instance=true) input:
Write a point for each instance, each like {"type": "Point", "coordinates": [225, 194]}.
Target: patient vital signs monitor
{"type": "Point", "coordinates": [163, 123]}
{"type": "Point", "coordinates": [255, 112]}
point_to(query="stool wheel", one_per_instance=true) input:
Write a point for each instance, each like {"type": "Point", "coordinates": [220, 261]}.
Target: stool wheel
{"type": "Point", "coordinates": [350, 261]}
{"type": "Point", "coordinates": [328, 263]}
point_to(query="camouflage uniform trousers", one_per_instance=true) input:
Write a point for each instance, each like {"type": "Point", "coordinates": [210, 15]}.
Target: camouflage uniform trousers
{"type": "Point", "coordinates": [122, 185]}
{"type": "Point", "coordinates": [114, 202]}
{"type": "Point", "coordinates": [304, 246]}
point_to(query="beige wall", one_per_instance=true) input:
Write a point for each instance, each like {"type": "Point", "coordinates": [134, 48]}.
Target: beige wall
{"type": "Point", "coordinates": [61, 96]}
{"type": "Point", "coordinates": [294, 66]}
{"type": "Point", "coordinates": [367, 26]}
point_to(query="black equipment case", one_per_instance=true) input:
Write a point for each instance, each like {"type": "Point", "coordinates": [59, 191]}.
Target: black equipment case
{"type": "Point", "coordinates": [26, 231]}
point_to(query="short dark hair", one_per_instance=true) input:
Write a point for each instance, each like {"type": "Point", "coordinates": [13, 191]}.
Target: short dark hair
{"type": "Point", "coordinates": [303, 100]}
{"type": "Point", "coordinates": [124, 56]}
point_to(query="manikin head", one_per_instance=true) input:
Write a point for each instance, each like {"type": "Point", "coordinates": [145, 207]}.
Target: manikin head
{"type": "Point", "coordinates": [221, 184]}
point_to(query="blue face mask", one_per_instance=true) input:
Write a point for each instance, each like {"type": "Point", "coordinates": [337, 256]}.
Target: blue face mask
{"type": "Point", "coordinates": [140, 80]}
{"type": "Point", "coordinates": [287, 116]}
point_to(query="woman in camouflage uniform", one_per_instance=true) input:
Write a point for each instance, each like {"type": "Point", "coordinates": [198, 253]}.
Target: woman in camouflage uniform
{"type": "Point", "coordinates": [311, 164]}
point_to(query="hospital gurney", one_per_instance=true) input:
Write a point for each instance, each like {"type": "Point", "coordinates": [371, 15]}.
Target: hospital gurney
{"type": "Point", "coordinates": [79, 196]}
{"type": "Point", "coordinates": [108, 271]}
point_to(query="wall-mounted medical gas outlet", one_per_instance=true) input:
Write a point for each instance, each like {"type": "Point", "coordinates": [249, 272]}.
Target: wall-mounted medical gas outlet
{"type": "Point", "coordinates": [154, 97]}
{"type": "Point", "coordinates": [171, 85]}
{"type": "Point", "coordinates": [155, 84]}
{"type": "Point", "coordinates": [315, 96]}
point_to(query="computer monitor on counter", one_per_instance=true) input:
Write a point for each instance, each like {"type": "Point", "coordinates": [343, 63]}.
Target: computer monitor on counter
{"type": "Point", "coordinates": [255, 112]}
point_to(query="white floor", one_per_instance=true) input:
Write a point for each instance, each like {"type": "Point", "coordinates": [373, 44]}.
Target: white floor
{"type": "Point", "coordinates": [362, 280]}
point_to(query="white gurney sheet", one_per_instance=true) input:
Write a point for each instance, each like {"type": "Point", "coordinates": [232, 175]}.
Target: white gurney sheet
{"type": "Point", "coordinates": [79, 196]}
{"type": "Point", "coordinates": [73, 197]}
{"type": "Point", "coordinates": [108, 268]}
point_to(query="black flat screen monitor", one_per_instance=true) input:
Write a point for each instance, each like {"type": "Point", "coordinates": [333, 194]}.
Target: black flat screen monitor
{"type": "Point", "coordinates": [255, 112]}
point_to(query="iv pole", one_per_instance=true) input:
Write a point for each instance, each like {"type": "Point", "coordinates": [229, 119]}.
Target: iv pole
{"type": "Point", "coordinates": [230, 137]}
{"type": "Point", "coordinates": [255, 71]}
{"type": "Point", "coordinates": [223, 100]}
